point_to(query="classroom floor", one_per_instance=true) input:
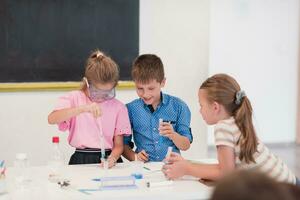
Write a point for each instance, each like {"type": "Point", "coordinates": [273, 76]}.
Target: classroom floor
{"type": "Point", "coordinates": [288, 152]}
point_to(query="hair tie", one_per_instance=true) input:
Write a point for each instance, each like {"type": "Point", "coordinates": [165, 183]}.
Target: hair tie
{"type": "Point", "coordinates": [239, 96]}
{"type": "Point", "coordinates": [99, 54]}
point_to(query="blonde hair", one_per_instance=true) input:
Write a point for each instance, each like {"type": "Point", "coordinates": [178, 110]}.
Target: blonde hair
{"type": "Point", "coordinates": [223, 89]}
{"type": "Point", "coordinates": [147, 67]}
{"type": "Point", "coordinates": [100, 68]}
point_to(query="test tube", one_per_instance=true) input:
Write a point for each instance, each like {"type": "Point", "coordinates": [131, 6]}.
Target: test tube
{"type": "Point", "coordinates": [103, 160]}
{"type": "Point", "coordinates": [160, 121]}
{"type": "Point", "coordinates": [168, 154]}
{"type": "Point", "coordinates": [102, 147]}
{"type": "Point", "coordinates": [104, 163]}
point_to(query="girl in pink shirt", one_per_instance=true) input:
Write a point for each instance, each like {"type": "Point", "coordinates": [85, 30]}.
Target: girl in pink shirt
{"type": "Point", "coordinates": [92, 115]}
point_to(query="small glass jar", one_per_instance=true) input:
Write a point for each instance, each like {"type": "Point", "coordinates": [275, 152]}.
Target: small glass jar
{"type": "Point", "coordinates": [2, 184]}
{"type": "Point", "coordinates": [21, 165]}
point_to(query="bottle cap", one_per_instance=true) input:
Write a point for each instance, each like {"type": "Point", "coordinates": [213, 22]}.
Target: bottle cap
{"type": "Point", "coordinates": [21, 156]}
{"type": "Point", "coordinates": [55, 139]}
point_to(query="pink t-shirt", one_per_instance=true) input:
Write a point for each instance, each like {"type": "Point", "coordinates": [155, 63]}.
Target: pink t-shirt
{"type": "Point", "coordinates": [83, 129]}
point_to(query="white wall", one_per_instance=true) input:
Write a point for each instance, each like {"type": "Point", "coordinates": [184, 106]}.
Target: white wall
{"type": "Point", "coordinates": [175, 30]}
{"type": "Point", "coordinates": [257, 42]}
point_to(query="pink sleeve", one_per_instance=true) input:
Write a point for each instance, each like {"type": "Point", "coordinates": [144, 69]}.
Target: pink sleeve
{"type": "Point", "coordinates": [122, 123]}
{"type": "Point", "coordinates": [64, 102]}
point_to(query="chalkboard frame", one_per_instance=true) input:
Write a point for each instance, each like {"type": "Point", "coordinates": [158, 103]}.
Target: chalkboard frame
{"type": "Point", "coordinates": [54, 86]}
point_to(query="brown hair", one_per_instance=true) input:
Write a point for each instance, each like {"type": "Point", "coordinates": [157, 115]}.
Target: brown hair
{"type": "Point", "coordinates": [100, 68]}
{"type": "Point", "coordinates": [147, 67]}
{"type": "Point", "coordinates": [222, 88]}
{"type": "Point", "coordinates": [249, 185]}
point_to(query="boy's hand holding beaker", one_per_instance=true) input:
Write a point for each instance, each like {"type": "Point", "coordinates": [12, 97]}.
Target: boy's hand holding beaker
{"type": "Point", "coordinates": [166, 129]}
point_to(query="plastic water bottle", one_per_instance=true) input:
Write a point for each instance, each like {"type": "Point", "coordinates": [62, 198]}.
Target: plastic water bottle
{"type": "Point", "coordinates": [56, 161]}
{"type": "Point", "coordinates": [21, 165]}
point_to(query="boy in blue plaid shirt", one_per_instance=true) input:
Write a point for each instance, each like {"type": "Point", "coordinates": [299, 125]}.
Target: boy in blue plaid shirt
{"type": "Point", "coordinates": [151, 137]}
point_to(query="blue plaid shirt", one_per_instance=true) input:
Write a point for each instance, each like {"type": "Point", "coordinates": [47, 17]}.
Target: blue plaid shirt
{"type": "Point", "coordinates": [145, 121]}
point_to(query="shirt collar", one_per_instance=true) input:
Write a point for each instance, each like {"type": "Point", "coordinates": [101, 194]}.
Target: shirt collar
{"type": "Point", "coordinates": [163, 100]}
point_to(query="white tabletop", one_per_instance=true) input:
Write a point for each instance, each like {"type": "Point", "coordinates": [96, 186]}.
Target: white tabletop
{"type": "Point", "coordinates": [80, 177]}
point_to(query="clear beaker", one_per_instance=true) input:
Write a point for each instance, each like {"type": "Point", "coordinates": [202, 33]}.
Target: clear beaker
{"type": "Point", "coordinates": [21, 165]}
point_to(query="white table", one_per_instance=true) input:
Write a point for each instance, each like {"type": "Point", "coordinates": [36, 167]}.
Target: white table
{"type": "Point", "coordinates": [81, 176]}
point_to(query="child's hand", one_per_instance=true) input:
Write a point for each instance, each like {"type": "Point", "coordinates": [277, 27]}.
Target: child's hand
{"type": "Point", "coordinates": [142, 156]}
{"type": "Point", "coordinates": [166, 129]}
{"type": "Point", "coordinates": [174, 157]}
{"type": "Point", "coordinates": [93, 108]}
{"type": "Point", "coordinates": [111, 161]}
{"type": "Point", "coordinates": [176, 169]}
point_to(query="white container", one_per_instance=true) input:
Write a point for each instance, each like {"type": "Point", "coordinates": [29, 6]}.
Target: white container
{"type": "Point", "coordinates": [21, 165]}
{"type": "Point", "coordinates": [2, 185]}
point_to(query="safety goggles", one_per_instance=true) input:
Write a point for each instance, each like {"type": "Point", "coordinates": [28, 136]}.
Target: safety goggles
{"type": "Point", "coordinates": [99, 95]}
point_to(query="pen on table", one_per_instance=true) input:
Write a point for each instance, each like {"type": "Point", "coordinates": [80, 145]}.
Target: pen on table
{"type": "Point", "coordinates": [147, 168]}
{"type": "Point", "coordinates": [168, 155]}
